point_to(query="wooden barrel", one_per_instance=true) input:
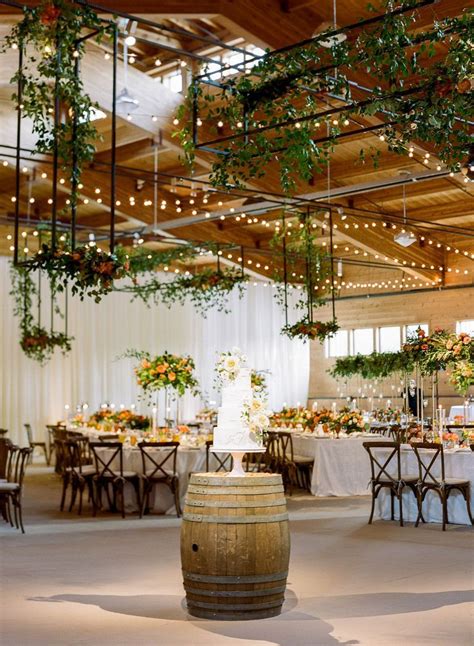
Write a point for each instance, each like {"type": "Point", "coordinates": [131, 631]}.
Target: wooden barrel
{"type": "Point", "coordinates": [235, 546]}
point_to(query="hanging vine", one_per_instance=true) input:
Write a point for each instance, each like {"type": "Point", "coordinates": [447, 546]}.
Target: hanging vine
{"type": "Point", "coordinates": [49, 38]}
{"type": "Point", "coordinates": [306, 268]}
{"type": "Point", "coordinates": [275, 113]}
{"type": "Point", "coordinates": [36, 341]}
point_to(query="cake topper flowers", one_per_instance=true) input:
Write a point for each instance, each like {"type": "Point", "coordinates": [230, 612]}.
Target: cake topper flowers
{"type": "Point", "coordinates": [229, 364]}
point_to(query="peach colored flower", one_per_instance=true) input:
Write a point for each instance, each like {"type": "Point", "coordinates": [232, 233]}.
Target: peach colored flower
{"type": "Point", "coordinates": [171, 376]}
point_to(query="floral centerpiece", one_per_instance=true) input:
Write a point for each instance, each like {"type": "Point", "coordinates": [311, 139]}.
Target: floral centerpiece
{"type": "Point", "coordinates": [165, 371]}
{"type": "Point", "coordinates": [128, 419]}
{"type": "Point", "coordinates": [289, 416]}
{"type": "Point", "coordinates": [325, 417]}
{"type": "Point", "coordinates": [350, 421]}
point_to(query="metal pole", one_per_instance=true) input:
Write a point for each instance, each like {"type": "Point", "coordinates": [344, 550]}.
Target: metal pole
{"type": "Point", "coordinates": [114, 139]}
{"type": "Point", "coordinates": [57, 108]}
{"type": "Point", "coordinates": [285, 268]}
{"type": "Point", "coordinates": [18, 153]}
{"type": "Point", "coordinates": [331, 243]}
{"type": "Point", "coordinates": [74, 181]}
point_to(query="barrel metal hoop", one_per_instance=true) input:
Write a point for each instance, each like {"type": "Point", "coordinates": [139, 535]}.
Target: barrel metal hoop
{"type": "Point", "coordinates": [232, 504]}
{"type": "Point", "coordinates": [234, 616]}
{"type": "Point", "coordinates": [240, 578]}
{"type": "Point", "coordinates": [236, 593]}
{"type": "Point", "coordinates": [240, 491]}
{"type": "Point", "coordinates": [262, 480]}
{"type": "Point", "coordinates": [236, 606]}
{"type": "Point", "coordinates": [235, 520]}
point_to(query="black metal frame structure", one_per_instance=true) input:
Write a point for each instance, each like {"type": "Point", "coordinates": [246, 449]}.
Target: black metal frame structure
{"type": "Point", "coordinates": [55, 156]}
{"type": "Point", "coordinates": [246, 132]}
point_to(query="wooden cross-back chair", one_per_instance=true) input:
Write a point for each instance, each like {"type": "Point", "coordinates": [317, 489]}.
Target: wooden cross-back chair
{"type": "Point", "coordinates": [110, 476]}
{"type": "Point", "coordinates": [159, 467]}
{"type": "Point", "coordinates": [428, 455]}
{"type": "Point", "coordinates": [11, 491]}
{"type": "Point", "coordinates": [295, 469]}
{"type": "Point", "coordinates": [78, 473]}
{"type": "Point", "coordinates": [224, 461]}
{"type": "Point", "coordinates": [381, 469]}
{"type": "Point", "coordinates": [35, 444]}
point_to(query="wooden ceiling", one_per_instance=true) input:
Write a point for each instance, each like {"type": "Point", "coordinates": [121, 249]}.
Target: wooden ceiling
{"type": "Point", "coordinates": [440, 207]}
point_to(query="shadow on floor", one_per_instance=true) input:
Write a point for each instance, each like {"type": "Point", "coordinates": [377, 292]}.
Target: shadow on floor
{"type": "Point", "coordinates": [316, 610]}
{"type": "Point", "coordinates": [173, 608]}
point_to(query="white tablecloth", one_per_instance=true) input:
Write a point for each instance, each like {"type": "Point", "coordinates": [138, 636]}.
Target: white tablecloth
{"type": "Point", "coordinates": [458, 464]}
{"type": "Point", "coordinates": [188, 460]}
{"type": "Point", "coordinates": [341, 467]}
{"type": "Point", "coordinates": [459, 410]}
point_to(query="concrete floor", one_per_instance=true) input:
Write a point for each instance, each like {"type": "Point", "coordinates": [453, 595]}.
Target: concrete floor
{"type": "Point", "coordinates": [87, 581]}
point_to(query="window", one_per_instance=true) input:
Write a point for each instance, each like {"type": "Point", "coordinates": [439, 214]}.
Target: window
{"type": "Point", "coordinates": [465, 326]}
{"type": "Point", "coordinates": [389, 339]}
{"type": "Point", "coordinates": [254, 51]}
{"type": "Point", "coordinates": [338, 344]}
{"type": "Point", "coordinates": [174, 81]}
{"type": "Point", "coordinates": [214, 69]}
{"type": "Point", "coordinates": [363, 340]}
{"type": "Point", "coordinates": [233, 59]}
{"type": "Point", "coordinates": [410, 330]}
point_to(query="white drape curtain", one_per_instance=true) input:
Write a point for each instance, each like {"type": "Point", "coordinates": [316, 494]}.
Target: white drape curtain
{"type": "Point", "coordinates": [90, 372]}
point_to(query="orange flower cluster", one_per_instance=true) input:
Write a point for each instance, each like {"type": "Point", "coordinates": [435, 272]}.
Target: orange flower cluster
{"type": "Point", "coordinates": [166, 370]}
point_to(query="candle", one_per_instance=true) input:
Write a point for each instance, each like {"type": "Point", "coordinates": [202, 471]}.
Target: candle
{"type": "Point", "coordinates": [154, 411]}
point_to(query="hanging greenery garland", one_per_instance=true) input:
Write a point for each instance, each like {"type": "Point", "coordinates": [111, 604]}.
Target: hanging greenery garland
{"type": "Point", "coordinates": [306, 329]}
{"type": "Point", "coordinates": [298, 241]}
{"type": "Point", "coordinates": [206, 289]}
{"type": "Point", "coordinates": [441, 350]}
{"type": "Point", "coordinates": [280, 111]}
{"type": "Point", "coordinates": [36, 341]}
{"type": "Point", "coordinates": [48, 35]}
{"type": "Point", "coordinates": [377, 365]}
{"type": "Point", "coordinates": [39, 344]}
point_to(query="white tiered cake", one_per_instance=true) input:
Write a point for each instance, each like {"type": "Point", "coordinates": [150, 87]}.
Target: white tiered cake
{"type": "Point", "coordinates": [232, 433]}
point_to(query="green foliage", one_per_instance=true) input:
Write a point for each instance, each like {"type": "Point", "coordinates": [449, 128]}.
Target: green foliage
{"type": "Point", "coordinates": [48, 35]}
{"type": "Point", "coordinates": [429, 102]}
{"type": "Point", "coordinates": [206, 289]}
{"type": "Point", "coordinates": [39, 344]}
{"type": "Point", "coordinates": [88, 270]}
{"type": "Point", "coordinates": [36, 342]}
{"type": "Point", "coordinates": [377, 365]}
{"type": "Point", "coordinates": [306, 329]}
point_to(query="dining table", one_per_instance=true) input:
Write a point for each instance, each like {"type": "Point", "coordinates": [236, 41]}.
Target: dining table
{"type": "Point", "coordinates": [459, 464]}
{"type": "Point", "coordinates": [341, 465]}
{"type": "Point", "coordinates": [190, 458]}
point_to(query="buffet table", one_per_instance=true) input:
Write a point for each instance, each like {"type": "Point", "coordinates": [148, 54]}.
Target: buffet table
{"type": "Point", "coordinates": [459, 463]}
{"type": "Point", "coordinates": [341, 466]}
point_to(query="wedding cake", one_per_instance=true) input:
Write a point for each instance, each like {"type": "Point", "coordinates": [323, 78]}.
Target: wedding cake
{"type": "Point", "coordinates": [242, 418]}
